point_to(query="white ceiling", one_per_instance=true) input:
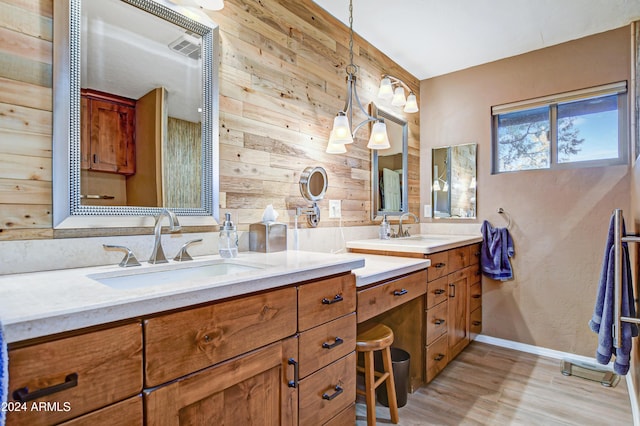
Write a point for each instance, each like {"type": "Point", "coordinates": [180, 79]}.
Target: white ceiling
{"type": "Point", "coordinates": [435, 37]}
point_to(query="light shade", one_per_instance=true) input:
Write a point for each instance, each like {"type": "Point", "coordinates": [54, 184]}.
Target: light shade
{"type": "Point", "coordinates": [341, 130]}
{"type": "Point", "coordinates": [472, 184]}
{"type": "Point", "coordinates": [210, 4]}
{"type": "Point", "coordinates": [412, 103]}
{"type": "Point", "coordinates": [335, 148]}
{"type": "Point", "coordinates": [398, 97]}
{"type": "Point", "coordinates": [445, 187]}
{"type": "Point", "coordinates": [379, 138]}
{"type": "Point", "coordinates": [386, 89]}
{"type": "Point", "coordinates": [436, 185]}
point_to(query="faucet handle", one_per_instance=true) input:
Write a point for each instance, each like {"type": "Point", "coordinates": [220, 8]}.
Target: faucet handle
{"type": "Point", "coordinates": [129, 258]}
{"type": "Point", "coordinates": [183, 254]}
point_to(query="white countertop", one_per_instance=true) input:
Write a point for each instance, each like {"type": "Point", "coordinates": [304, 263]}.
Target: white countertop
{"type": "Point", "coordinates": [379, 268]}
{"type": "Point", "coordinates": [44, 303]}
{"type": "Point", "coordinates": [423, 243]}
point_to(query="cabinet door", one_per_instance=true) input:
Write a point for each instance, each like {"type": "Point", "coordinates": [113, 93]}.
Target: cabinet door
{"type": "Point", "coordinates": [242, 391]}
{"type": "Point", "coordinates": [458, 312]}
{"type": "Point", "coordinates": [112, 137]}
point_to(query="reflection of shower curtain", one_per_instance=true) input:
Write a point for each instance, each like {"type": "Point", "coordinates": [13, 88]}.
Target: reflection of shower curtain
{"type": "Point", "coordinates": [391, 188]}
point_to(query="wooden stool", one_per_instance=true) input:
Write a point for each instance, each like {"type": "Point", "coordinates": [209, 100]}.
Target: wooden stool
{"type": "Point", "coordinates": [377, 337]}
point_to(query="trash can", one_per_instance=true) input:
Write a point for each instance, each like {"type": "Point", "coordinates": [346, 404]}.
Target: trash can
{"type": "Point", "coordinates": [401, 375]}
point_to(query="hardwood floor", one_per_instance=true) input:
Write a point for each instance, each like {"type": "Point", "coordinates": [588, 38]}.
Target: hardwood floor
{"type": "Point", "coordinates": [491, 385]}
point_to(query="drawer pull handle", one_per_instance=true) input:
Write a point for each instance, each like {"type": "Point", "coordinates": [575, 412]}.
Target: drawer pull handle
{"type": "Point", "coordinates": [439, 321]}
{"type": "Point", "coordinates": [336, 298]}
{"type": "Point", "coordinates": [294, 383]}
{"type": "Point", "coordinates": [333, 395]}
{"type": "Point", "coordinates": [400, 292]}
{"type": "Point", "coordinates": [23, 394]}
{"type": "Point", "coordinates": [440, 357]}
{"type": "Point", "coordinates": [476, 323]}
{"type": "Point", "coordinates": [440, 265]}
{"type": "Point", "coordinates": [452, 290]}
{"type": "Point", "coordinates": [439, 291]}
{"type": "Point", "coordinates": [337, 342]}
{"type": "Point", "coordinates": [476, 254]}
{"type": "Point", "coordinates": [477, 296]}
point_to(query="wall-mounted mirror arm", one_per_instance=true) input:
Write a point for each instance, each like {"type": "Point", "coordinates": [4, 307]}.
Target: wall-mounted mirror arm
{"type": "Point", "coordinates": [312, 213]}
{"type": "Point", "coordinates": [313, 186]}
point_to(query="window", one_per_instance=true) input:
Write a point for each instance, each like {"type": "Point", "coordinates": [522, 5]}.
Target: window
{"type": "Point", "coordinates": [576, 129]}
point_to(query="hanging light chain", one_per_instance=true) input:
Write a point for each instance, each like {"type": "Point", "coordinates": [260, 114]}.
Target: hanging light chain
{"type": "Point", "coordinates": [351, 33]}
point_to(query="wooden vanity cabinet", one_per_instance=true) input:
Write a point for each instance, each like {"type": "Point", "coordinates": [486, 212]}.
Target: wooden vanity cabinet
{"type": "Point", "coordinates": [93, 378]}
{"type": "Point", "coordinates": [281, 357]}
{"type": "Point", "coordinates": [454, 296]}
{"type": "Point", "coordinates": [327, 343]}
{"type": "Point", "coordinates": [107, 133]}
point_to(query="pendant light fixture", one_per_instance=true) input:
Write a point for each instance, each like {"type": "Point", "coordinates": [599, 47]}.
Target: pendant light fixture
{"type": "Point", "coordinates": [343, 130]}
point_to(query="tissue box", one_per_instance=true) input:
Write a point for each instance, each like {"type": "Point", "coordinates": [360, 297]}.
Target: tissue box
{"type": "Point", "coordinates": [268, 237]}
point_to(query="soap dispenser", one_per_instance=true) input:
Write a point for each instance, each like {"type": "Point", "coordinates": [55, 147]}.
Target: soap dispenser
{"type": "Point", "coordinates": [385, 228]}
{"type": "Point", "coordinates": [228, 240]}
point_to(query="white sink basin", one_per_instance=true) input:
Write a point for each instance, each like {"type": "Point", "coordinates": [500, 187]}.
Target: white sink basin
{"type": "Point", "coordinates": [172, 273]}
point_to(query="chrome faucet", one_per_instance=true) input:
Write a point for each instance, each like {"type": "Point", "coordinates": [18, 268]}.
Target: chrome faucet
{"type": "Point", "coordinates": [402, 233]}
{"type": "Point", "coordinates": [157, 255]}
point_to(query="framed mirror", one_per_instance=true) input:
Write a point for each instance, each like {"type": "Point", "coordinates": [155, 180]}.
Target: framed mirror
{"type": "Point", "coordinates": [389, 168]}
{"type": "Point", "coordinates": [135, 114]}
{"type": "Point", "coordinates": [453, 185]}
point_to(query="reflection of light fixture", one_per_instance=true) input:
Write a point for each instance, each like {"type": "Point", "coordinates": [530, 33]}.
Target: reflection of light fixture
{"type": "Point", "coordinates": [342, 132]}
{"type": "Point", "coordinates": [473, 184]}
{"type": "Point", "coordinates": [386, 91]}
{"type": "Point", "coordinates": [436, 184]}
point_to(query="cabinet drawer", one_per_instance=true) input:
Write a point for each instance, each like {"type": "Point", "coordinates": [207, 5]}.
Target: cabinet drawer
{"type": "Point", "coordinates": [458, 258]}
{"type": "Point", "coordinates": [328, 391]}
{"type": "Point", "coordinates": [439, 265]}
{"type": "Point", "coordinates": [184, 342]}
{"type": "Point", "coordinates": [107, 365]}
{"type": "Point", "coordinates": [437, 357]}
{"type": "Point", "coordinates": [437, 322]}
{"type": "Point", "coordinates": [473, 274]}
{"type": "Point", "coordinates": [475, 295]}
{"type": "Point", "coordinates": [346, 417]}
{"type": "Point", "coordinates": [474, 254]}
{"type": "Point", "coordinates": [437, 292]}
{"type": "Point", "coordinates": [124, 413]}
{"type": "Point", "coordinates": [326, 343]}
{"type": "Point", "coordinates": [383, 297]}
{"type": "Point", "coordinates": [475, 323]}
{"type": "Point", "coordinates": [322, 301]}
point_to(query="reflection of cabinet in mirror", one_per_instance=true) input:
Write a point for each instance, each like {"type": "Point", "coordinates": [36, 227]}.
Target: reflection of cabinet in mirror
{"type": "Point", "coordinates": [108, 132]}
{"type": "Point", "coordinates": [121, 141]}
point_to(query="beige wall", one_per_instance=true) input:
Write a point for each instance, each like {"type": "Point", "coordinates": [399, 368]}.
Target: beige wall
{"type": "Point", "coordinates": [560, 218]}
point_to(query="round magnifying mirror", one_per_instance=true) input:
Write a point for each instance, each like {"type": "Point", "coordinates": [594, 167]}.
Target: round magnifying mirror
{"type": "Point", "coordinates": [313, 183]}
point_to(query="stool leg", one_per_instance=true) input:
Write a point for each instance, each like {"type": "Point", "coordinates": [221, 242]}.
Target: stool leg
{"type": "Point", "coordinates": [369, 384]}
{"type": "Point", "coordinates": [391, 387]}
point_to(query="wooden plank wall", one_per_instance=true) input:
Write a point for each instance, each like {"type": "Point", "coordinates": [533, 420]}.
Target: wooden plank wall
{"type": "Point", "coordinates": [282, 80]}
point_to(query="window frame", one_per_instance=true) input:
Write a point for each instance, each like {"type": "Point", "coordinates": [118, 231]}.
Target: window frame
{"type": "Point", "coordinates": [552, 102]}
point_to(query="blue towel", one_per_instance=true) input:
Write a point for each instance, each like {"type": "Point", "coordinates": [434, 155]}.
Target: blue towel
{"type": "Point", "coordinates": [602, 320]}
{"type": "Point", "coordinates": [497, 248]}
{"type": "Point", "coordinates": [4, 374]}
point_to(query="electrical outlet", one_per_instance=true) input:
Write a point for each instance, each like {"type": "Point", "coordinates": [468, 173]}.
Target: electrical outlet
{"type": "Point", "coordinates": [335, 209]}
{"type": "Point", "coordinates": [427, 210]}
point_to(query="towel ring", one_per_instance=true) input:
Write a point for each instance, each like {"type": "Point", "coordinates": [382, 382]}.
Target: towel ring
{"type": "Point", "coordinates": [502, 211]}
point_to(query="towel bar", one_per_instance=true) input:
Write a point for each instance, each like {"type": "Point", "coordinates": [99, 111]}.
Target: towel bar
{"type": "Point", "coordinates": [618, 239]}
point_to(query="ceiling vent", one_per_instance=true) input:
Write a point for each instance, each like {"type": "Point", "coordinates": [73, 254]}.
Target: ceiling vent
{"type": "Point", "coordinates": [187, 44]}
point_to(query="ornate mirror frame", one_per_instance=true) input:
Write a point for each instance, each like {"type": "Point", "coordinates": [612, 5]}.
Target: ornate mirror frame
{"type": "Point", "coordinates": [68, 212]}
